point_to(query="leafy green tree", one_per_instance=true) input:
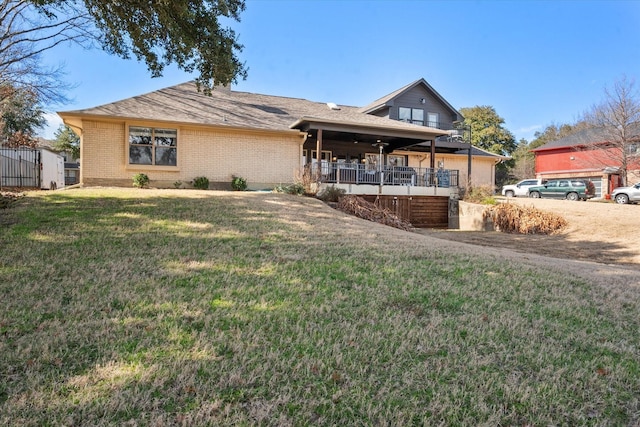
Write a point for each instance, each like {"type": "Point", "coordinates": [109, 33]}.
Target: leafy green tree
{"type": "Point", "coordinates": [20, 116]}
{"type": "Point", "coordinates": [67, 140]}
{"type": "Point", "coordinates": [488, 132]}
{"type": "Point", "coordinates": [188, 33]}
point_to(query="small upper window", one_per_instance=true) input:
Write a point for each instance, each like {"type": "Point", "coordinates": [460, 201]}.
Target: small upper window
{"type": "Point", "coordinates": [150, 146]}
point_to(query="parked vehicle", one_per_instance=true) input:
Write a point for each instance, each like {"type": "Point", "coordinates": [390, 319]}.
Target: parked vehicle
{"type": "Point", "coordinates": [521, 189]}
{"type": "Point", "coordinates": [570, 189]}
{"type": "Point", "coordinates": [624, 195]}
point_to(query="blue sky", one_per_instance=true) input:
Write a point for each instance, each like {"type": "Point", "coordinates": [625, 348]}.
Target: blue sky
{"type": "Point", "coordinates": [535, 62]}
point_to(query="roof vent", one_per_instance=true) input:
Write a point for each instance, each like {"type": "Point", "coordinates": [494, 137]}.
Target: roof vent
{"type": "Point", "coordinates": [332, 106]}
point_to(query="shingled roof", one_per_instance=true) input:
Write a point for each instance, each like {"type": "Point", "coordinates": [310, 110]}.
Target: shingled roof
{"type": "Point", "coordinates": [182, 103]}
{"type": "Point", "coordinates": [583, 137]}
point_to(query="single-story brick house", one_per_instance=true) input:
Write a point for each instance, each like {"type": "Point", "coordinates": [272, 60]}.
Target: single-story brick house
{"type": "Point", "coordinates": [402, 143]}
{"type": "Point", "coordinates": [587, 155]}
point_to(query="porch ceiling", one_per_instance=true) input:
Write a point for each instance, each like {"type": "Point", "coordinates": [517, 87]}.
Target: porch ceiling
{"type": "Point", "coordinates": [398, 137]}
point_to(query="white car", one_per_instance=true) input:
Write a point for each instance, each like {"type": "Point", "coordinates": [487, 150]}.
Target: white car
{"type": "Point", "coordinates": [521, 189]}
{"type": "Point", "coordinates": [624, 195]}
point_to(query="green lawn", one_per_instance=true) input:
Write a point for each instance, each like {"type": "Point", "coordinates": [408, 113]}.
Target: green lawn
{"type": "Point", "coordinates": [184, 307]}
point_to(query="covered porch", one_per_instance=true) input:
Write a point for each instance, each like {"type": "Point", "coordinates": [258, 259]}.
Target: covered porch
{"type": "Point", "coordinates": [377, 158]}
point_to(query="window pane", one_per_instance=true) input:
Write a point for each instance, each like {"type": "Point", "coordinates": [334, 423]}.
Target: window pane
{"type": "Point", "coordinates": [140, 136]}
{"type": "Point", "coordinates": [165, 156]}
{"type": "Point", "coordinates": [432, 119]}
{"type": "Point", "coordinates": [417, 114]}
{"type": "Point", "coordinates": [404, 113]}
{"type": "Point", "coordinates": [166, 137]}
{"type": "Point", "coordinates": [139, 155]}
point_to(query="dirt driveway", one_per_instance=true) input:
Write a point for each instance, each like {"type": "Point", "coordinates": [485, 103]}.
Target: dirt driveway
{"type": "Point", "coordinates": [598, 231]}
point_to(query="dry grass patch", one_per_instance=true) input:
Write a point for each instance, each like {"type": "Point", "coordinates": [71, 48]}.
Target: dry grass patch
{"type": "Point", "coordinates": [167, 307]}
{"type": "Point", "coordinates": [513, 218]}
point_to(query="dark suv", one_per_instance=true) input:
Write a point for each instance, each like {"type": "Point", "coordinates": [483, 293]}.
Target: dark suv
{"type": "Point", "coordinates": [570, 189]}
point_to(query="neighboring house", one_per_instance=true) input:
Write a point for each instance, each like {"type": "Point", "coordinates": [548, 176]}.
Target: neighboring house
{"type": "Point", "coordinates": [402, 143]}
{"type": "Point", "coordinates": [587, 155]}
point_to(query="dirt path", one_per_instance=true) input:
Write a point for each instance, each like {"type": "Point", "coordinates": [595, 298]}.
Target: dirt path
{"type": "Point", "coordinates": [601, 243]}
{"type": "Point", "coordinates": [599, 232]}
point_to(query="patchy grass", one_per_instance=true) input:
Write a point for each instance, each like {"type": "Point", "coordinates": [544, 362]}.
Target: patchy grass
{"type": "Point", "coordinates": [183, 307]}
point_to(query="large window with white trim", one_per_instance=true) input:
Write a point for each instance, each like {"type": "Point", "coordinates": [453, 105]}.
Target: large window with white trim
{"type": "Point", "coordinates": [153, 146]}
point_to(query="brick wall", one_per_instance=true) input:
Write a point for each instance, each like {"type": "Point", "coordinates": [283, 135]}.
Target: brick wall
{"type": "Point", "coordinates": [264, 159]}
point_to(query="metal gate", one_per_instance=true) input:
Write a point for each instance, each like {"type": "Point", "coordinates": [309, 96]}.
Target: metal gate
{"type": "Point", "coordinates": [20, 167]}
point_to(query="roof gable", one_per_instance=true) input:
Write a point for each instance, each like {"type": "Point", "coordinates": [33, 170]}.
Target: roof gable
{"type": "Point", "coordinates": [387, 100]}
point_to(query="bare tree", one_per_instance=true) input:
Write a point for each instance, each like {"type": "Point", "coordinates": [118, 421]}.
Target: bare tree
{"type": "Point", "coordinates": [615, 128]}
{"type": "Point", "coordinates": [25, 32]}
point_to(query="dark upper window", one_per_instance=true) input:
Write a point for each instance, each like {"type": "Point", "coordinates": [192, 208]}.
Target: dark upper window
{"type": "Point", "coordinates": [411, 115]}
{"type": "Point", "coordinates": [150, 146]}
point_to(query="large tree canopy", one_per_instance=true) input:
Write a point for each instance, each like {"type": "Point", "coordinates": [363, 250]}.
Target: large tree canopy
{"type": "Point", "coordinates": [488, 133]}
{"type": "Point", "coordinates": [187, 33]}
{"type": "Point", "coordinates": [487, 130]}
{"type": "Point", "coordinates": [20, 116]}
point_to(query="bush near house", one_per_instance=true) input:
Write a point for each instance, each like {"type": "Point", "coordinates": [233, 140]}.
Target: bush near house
{"type": "Point", "coordinates": [482, 194]}
{"type": "Point", "coordinates": [201, 183]}
{"type": "Point", "coordinates": [140, 180]}
{"type": "Point", "coordinates": [238, 183]}
{"type": "Point", "coordinates": [331, 194]}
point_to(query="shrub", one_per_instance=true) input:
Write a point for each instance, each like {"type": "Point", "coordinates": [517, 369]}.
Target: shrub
{"type": "Point", "coordinates": [201, 183]}
{"type": "Point", "coordinates": [238, 183]}
{"type": "Point", "coordinates": [295, 189]}
{"type": "Point", "coordinates": [140, 180]}
{"type": "Point", "coordinates": [177, 184]}
{"type": "Point", "coordinates": [513, 218]}
{"type": "Point", "coordinates": [331, 194]}
{"type": "Point", "coordinates": [482, 194]}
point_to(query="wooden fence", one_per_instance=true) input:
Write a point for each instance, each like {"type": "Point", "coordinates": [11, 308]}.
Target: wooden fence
{"type": "Point", "coordinates": [420, 211]}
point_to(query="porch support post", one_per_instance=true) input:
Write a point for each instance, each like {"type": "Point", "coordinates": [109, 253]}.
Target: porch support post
{"type": "Point", "coordinates": [319, 154]}
{"type": "Point", "coordinates": [432, 160]}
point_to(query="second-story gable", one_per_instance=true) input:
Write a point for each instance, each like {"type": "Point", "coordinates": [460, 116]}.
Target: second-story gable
{"type": "Point", "coordinates": [416, 103]}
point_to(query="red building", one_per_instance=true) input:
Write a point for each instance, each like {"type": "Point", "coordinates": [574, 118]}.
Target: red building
{"type": "Point", "coordinates": [586, 155]}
